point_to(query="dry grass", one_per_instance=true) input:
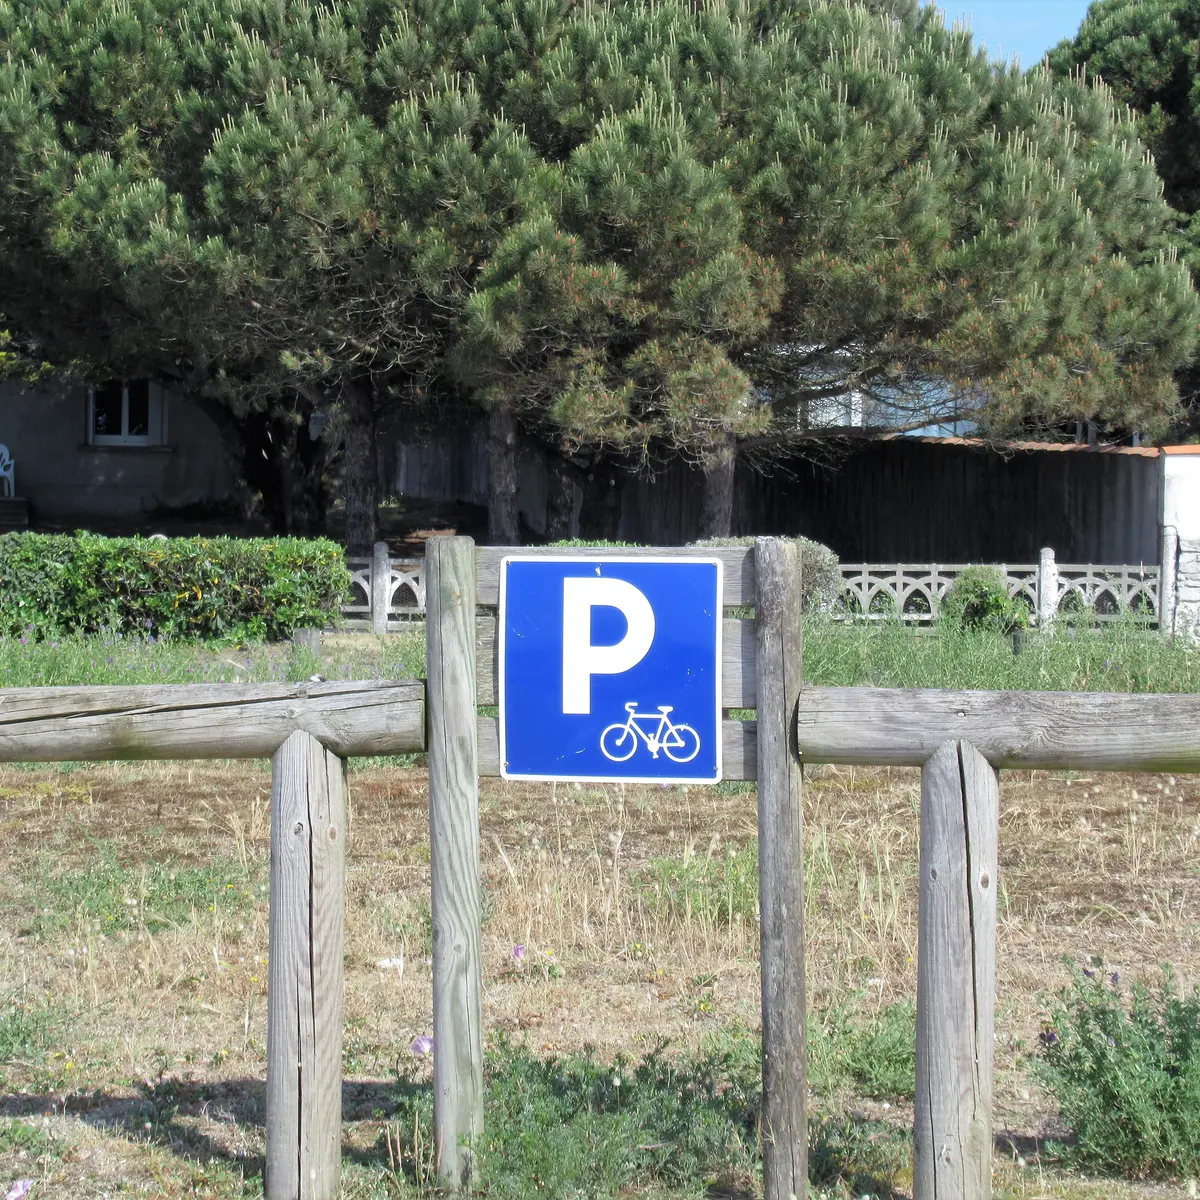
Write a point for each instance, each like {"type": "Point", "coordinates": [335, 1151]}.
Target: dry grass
{"type": "Point", "coordinates": [143, 1050]}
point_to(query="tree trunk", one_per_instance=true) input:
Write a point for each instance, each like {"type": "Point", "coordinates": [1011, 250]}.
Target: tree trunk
{"type": "Point", "coordinates": [503, 514]}
{"type": "Point", "coordinates": [360, 471]}
{"type": "Point", "coordinates": [235, 446]}
{"type": "Point", "coordinates": [561, 508]}
{"type": "Point", "coordinates": [600, 518]}
{"type": "Point", "coordinates": [716, 510]}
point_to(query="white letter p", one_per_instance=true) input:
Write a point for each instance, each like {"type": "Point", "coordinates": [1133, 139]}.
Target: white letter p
{"type": "Point", "coordinates": [581, 660]}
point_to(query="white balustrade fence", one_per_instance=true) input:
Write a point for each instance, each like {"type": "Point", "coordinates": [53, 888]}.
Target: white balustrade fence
{"type": "Point", "coordinates": [388, 592]}
{"type": "Point", "coordinates": [914, 592]}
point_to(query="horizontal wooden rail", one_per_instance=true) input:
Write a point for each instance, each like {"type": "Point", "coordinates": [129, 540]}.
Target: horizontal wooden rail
{"type": "Point", "coordinates": [738, 562]}
{"type": "Point", "coordinates": [1087, 731]}
{"type": "Point", "coordinates": [739, 748]}
{"type": "Point", "coordinates": [737, 663]}
{"type": "Point", "coordinates": [208, 720]}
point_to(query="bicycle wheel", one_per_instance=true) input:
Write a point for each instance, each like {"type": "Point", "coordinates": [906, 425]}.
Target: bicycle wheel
{"type": "Point", "coordinates": [618, 742]}
{"type": "Point", "coordinates": [687, 746]}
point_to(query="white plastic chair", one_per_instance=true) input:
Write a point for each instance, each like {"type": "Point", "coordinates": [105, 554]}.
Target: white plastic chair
{"type": "Point", "coordinates": [6, 471]}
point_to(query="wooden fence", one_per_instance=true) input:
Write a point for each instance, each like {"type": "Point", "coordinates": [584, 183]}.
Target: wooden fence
{"type": "Point", "coordinates": [959, 739]}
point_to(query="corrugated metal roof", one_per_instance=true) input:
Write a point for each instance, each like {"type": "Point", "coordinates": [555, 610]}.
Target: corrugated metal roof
{"type": "Point", "coordinates": [1061, 447]}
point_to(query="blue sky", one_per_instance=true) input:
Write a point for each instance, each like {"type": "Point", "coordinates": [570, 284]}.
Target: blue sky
{"type": "Point", "coordinates": [1026, 28]}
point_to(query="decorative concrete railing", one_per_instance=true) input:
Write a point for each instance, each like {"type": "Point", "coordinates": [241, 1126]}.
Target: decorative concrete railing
{"type": "Point", "coordinates": [392, 589]}
{"type": "Point", "coordinates": [914, 592]}
{"type": "Point", "coordinates": [387, 592]}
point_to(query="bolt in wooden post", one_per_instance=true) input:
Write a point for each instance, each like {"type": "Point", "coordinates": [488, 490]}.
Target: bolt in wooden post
{"type": "Point", "coordinates": [956, 975]}
{"type": "Point", "coordinates": [305, 977]}
{"type": "Point", "coordinates": [781, 870]}
{"type": "Point", "coordinates": [454, 856]}
{"type": "Point", "coordinates": [381, 587]}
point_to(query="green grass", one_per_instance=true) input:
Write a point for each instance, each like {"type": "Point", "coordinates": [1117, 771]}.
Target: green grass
{"type": "Point", "coordinates": [1119, 657]}
{"type": "Point", "coordinates": [109, 897]}
{"type": "Point", "coordinates": [851, 1053]}
{"type": "Point", "coordinates": [1122, 657]}
{"type": "Point", "coordinates": [113, 659]}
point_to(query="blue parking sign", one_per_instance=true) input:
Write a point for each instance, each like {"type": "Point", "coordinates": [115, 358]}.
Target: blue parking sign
{"type": "Point", "coordinates": [610, 669]}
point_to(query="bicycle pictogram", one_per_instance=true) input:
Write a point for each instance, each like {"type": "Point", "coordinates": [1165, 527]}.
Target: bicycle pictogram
{"type": "Point", "coordinates": [619, 741]}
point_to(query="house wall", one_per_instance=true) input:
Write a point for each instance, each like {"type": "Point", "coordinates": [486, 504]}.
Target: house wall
{"type": "Point", "coordinates": [64, 478]}
{"type": "Point", "coordinates": [1181, 512]}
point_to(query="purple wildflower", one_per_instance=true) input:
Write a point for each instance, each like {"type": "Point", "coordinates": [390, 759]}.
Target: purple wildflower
{"type": "Point", "coordinates": [1047, 1037]}
{"type": "Point", "coordinates": [422, 1046]}
{"type": "Point", "coordinates": [19, 1190]}
{"type": "Point", "coordinates": [1089, 972]}
{"type": "Point", "coordinates": [1114, 979]}
{"type": "Point", "coordinates": [518, 953]}
{"type": "Point", "coordinates": [24, 641]}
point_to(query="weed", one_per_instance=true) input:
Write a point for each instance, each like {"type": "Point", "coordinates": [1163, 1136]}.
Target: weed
{"type": "Point", "coordinates": [1127, 1082]}
{"type": "Point", "coordinates": [860, 1158]}
{"type": "Point", "coordinates": [110, 897]}
{"type": "Point", "coordinates": [22, 1140]}
{"type": "Point", "coordinates": [979, 599]}
{"type": "Point", "coordinates": [24, 1030]}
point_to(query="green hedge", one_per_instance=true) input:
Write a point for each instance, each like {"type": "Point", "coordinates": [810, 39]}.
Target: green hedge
{"type": "Point", "coordinates": [251, 588]}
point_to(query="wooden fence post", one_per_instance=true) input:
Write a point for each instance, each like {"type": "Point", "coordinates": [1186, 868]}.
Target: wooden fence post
{"type": "Point", "coordinates": [781, 870]}
{"type": "Point", "coordinates": [305, 975]}
{"type": "Point", "coordinates": [454, 856]}
{"type": "Point", "coordinates": [956, 975]}
{"type": "Point", "coordinates": [381, 587]}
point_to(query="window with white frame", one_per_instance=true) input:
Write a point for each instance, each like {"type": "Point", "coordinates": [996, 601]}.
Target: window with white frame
{"type": "Point", "coordinates": [126, 413]}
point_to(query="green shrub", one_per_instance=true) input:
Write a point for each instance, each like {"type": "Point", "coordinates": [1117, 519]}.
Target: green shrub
{"type": "Point", "coordinates": [1127, 1082]}
{"type": "Point", "coordinates": [820, 570]}
{"type": "Point", "coordinates": [979, 599]}
{"type": "Point", "coordinates": [579, 1126]}
{"type": "Point", "coordinates": [251, 588]}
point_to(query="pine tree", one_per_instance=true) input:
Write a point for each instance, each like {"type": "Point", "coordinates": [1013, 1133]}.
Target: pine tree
{"type": "Point", "coordinates": [1148, 52]}
{"type": "Point", "coordinates": [637, 230]}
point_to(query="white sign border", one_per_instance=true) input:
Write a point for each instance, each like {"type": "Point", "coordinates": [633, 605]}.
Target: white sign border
{"type": "Point", "coordinates": [695, 560]}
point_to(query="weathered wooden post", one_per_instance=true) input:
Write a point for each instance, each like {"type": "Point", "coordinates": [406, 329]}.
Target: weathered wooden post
{"type": "Point", "coordinates": [305, 975]}
{"type": "Point", "coordinates": [781, 869]}
{"type": "Point", "coordinates": [956, 975]}
{"type": "Point", "coordinates": [454, 855]}
{"type": "Point", "coordinates": [381, 587]}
